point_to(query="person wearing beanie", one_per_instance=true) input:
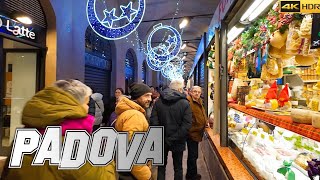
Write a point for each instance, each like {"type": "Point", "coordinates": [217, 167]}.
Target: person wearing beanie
{"type": "Point", "coordinates": [132, 118]}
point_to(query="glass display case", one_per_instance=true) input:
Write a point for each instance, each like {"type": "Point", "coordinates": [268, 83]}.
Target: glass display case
{"type": "Point", "coordinates": [269, 151]}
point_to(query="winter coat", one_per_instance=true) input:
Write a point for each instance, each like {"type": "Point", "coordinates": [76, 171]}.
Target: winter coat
{"type": "Point", "coordinates": [99, 108]}
{"type": "Point", "coordinates": [199, 119]}
{"type": "Point", "coordinates": [53, 106]}
{"type": "Point", "coordinates": [173, 111]}
{"type": "Point", "coordinates": [131, 118]}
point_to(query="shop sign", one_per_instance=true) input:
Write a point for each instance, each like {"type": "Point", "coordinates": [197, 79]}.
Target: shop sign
{"type": "Point", "coordinates": [315, 34]}
{"type": "Point", "coordinates": [11, 27]}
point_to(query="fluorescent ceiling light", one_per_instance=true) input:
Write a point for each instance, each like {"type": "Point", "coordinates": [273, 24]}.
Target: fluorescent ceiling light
{"type": "Point", "coordinates": [184, 23]}
{"type": "Point", "coordinates": [253, 7]}
{"type": "Point", "coordinates": [260, 9]}
{"type": "Point", "coordinates": [233, 33]}
{"type": "Point", "coordinates": [24, 19]}
{"type": "Point", "coordinates": [184, 46]}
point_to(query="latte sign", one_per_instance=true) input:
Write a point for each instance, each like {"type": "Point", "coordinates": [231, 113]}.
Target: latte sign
{"type": "Point", "coordinates": [11, 27]}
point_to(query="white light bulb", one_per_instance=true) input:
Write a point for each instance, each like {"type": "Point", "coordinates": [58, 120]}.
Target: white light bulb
{"type": "Point", "coordinates": [24, 20]}
{"type": "Point", "coordinates": [184, 23]}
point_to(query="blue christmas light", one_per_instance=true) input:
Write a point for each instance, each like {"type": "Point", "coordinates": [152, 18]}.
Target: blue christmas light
{"type": "Point", "coordinates": [173, 70]}
{"type": "Point", "coordinates": [105, 27]}
{"type": "Point", "coordinates": [109, 17]}
{"type": "Point", "coordinates": [127, 11]}
{"type": "Point", "coordinates": [167, 52]}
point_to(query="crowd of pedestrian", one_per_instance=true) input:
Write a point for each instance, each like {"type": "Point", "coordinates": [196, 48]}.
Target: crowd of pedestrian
{"type": "Point", "coordinates": [74, 105]}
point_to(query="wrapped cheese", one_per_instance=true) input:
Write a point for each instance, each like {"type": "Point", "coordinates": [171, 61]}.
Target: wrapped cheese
{"type": "Point", "coordinates": [294, 38]}
{"type": "Point", "coordinates": [306, 26]}
{"type": "Point", "coordinates": [278, 40]}
{"type": "Point", "coordinates": [272, 66]}
{"type": "Point", "coordinates": [301, 116]}
{"type": "Point", "coordinates": [275, 52]}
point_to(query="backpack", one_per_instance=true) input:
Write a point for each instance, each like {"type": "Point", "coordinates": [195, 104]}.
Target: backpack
{"type": "Point", "coordinates": [112, 120]}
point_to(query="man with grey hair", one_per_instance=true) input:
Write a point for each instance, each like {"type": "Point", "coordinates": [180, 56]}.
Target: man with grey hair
{"type": "Point", "coordinates": [199, 121]}
{"type": "Point", "coordinates": [172, 111]}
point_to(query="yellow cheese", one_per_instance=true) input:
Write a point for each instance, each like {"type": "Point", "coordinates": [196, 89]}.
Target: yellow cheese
{"type": "Point", "coordinates": [274, 104]}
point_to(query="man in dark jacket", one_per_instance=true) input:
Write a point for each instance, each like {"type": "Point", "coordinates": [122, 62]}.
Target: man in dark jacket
{"type": "Point", "coordinates": [173, 111]}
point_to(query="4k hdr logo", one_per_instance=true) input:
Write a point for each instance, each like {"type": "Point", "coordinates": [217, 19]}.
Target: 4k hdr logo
{"type": "Point", "coordinates": [302, 6]}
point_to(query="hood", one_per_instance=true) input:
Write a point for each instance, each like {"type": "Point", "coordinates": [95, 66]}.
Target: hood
{"type": "Point", "coordinates": [126, 104]}
{"type": "Point", "coordinates": [97, 96]}
{"type": "Point", "coordinates": [169, 95]}
{"type": "Point", "coordinates": [50, 107]}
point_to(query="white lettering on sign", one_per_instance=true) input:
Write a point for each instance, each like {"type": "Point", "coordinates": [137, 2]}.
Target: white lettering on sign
{"type": "Point", "coordinates": [20, 31]}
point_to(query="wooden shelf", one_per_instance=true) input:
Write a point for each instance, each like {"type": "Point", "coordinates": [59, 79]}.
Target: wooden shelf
{"type": "Point", "coordinates": [281, 121]}
{"type": "Point", "coordinates": [311, 81]}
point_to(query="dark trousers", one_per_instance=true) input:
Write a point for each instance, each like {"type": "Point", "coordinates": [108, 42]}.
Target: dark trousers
{"type": "Point", "coordinates": [193, 149]}
{"type": "Point", "coordinates": [177, 165]}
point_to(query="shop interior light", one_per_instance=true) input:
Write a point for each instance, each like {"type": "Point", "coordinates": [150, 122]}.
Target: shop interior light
{"type": "Point", "coordinates": [24, 19]}
{"type": "Point", "coordinates": [265, 4]}
{"type": "Point", "coordinates": [233, 33]}
{"type": "Point", "coordinates": [249, 11]}
{"type": "Point", "coordinates": [184, 23]}
{"type": "Point", "coordinates": [21, 17]}
{"type": "Point", "coordinates": [184, 46]}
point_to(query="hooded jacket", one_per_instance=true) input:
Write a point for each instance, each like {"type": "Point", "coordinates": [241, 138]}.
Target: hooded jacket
{"type": "Point", "coordinates": [99, 108]}
{"type": "Point", "coordinates": [131, 118]}
{"type": "Point", "coordinates": [53, 106]}
{"type": "Point", "coordinates": [199, 119]}
{"type": "Point", "coordinates": [172, 111]}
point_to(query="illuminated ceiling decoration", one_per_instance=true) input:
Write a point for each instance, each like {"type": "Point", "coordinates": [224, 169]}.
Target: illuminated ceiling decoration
{"type": "Point", "coordinates": [105, 27]}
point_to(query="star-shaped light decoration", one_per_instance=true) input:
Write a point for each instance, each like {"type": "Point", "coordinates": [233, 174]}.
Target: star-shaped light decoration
{"type": "Point", "coordinates": [171, 39]}
{"type": "Point", "coordinates": [127, 11]}
{"type": "Point", "coordinates": [109, 17]}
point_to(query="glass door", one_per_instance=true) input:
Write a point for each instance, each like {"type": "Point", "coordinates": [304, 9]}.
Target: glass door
{"type": "Point", "coordinates": [19, 85]}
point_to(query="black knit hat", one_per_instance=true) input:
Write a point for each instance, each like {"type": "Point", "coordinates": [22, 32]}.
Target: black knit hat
{"type": "Point", "coordinates": [138, 89]}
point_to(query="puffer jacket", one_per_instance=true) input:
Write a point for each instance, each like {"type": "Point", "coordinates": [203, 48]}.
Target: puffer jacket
{"type": "Point", "coordinates": [53, 106]}
{"type": "Point", "coordinates": [131, 118]}
{"type": "Point", "coordinates": [99, 108]}
{"type": "Point", "coordinates": [173, 111]}
{"type": "Point", "coordinates": [199, 119]}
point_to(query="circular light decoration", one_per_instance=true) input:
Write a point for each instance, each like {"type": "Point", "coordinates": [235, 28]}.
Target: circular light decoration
{"type": "Point", "coordinates": [104, 27]}
{"type": "Point", "coordinates": [169, 51]}
{"type": "Point", "coordinates": [173, 70]}
{"type": "Point", "coordinates": [154, 64]}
